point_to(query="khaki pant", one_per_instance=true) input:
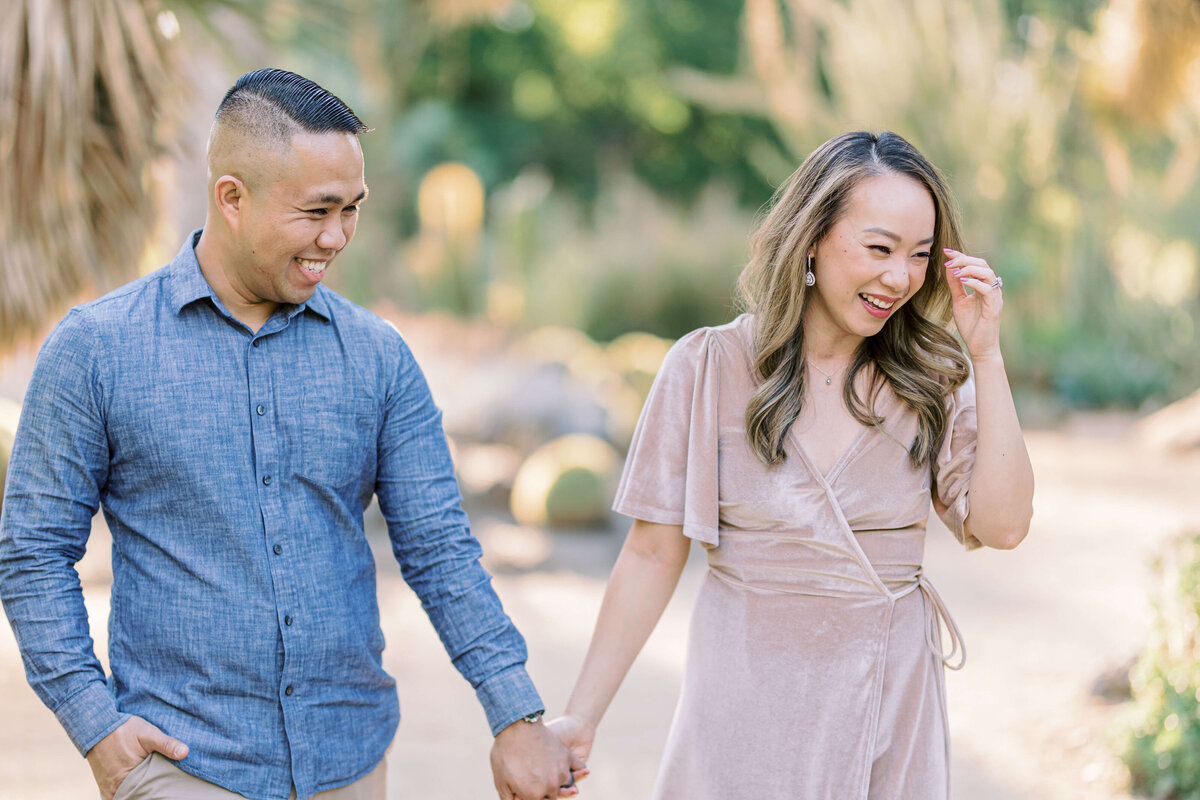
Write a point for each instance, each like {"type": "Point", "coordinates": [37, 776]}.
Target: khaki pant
{"type": "Point", "coordinates": [157, 778]}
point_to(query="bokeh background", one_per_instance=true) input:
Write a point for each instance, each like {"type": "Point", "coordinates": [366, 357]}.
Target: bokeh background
{"type": "Point", "coordinates": [559, 188]}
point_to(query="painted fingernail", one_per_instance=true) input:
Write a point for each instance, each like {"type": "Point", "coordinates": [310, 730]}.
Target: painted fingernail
{"type": "Point", "coordinates": [957, 271]}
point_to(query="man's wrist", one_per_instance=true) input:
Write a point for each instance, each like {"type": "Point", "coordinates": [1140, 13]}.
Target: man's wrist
{"type": "Point", "coordinates": [507, 697]}
{"type": "Point", "coordinates": [89, 715]}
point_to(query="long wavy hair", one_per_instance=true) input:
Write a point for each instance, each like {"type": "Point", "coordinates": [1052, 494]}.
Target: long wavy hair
{"type": "Point", "coordinates": [914, 353]}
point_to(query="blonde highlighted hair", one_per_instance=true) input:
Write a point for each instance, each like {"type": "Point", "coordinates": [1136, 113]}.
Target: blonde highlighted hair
{"type": "Point", "coordinates": [915, 354]}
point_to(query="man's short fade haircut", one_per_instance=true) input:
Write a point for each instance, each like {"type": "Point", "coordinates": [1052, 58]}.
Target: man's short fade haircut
{"type": "Point", "coordinates": [274, 104]}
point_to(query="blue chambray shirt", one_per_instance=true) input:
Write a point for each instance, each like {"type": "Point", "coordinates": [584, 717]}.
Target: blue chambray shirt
{"type": "Point", "coordinates": [233, 469]}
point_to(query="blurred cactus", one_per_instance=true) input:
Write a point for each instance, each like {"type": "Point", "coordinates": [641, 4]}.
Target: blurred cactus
{"type": "Point", "coordinates": [578, 496]}
{"type": "Point", "coordinates": [637, 356]}
{"type": "Point", "coordinates": [566, 483]}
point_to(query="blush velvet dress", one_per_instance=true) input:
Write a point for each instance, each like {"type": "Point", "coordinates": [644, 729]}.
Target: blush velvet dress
{"type": "Point", "coordinates": [815, 664]}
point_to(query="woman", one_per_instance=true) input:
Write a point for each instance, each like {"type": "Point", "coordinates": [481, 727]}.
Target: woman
{"type": "Point", "coordinates": [801, 445]}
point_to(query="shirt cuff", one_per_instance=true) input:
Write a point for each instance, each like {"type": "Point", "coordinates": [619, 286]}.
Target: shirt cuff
{"type": "Point", "coordinates": [508, 696]}
{"type": "Point", "coordinates": [89, 715]}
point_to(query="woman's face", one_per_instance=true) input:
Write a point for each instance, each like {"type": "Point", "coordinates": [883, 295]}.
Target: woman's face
{"type": "Point", "coordinates": [872, 261]}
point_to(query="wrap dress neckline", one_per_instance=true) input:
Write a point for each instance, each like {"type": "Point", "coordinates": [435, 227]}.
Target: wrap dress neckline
{"type": "Point", "coordinates": [935, 609]}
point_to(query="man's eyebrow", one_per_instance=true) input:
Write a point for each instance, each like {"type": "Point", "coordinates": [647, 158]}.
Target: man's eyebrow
{"type": "Point", "coordinates": [894, 237]}
{"type": "Point", "coordinates": [334, 199]}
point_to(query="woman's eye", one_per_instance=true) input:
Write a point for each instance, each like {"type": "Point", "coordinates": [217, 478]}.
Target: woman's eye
{"type": "Point", "coordinates": [881, 248]}
{"type": "Point", "coordinates": [923, 255]}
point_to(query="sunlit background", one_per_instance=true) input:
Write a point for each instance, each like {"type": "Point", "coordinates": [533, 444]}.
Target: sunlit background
{"type": "Point", "coordinates": [559, 188]}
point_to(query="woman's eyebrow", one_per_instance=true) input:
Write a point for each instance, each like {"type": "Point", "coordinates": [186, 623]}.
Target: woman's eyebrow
{"type": "Point", "coordinates": [894, 237]}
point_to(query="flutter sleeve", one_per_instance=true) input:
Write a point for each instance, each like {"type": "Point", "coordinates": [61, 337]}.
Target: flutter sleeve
{"type": "Point", "coordinates": [954, 463]}
{"type": "Point", "coordinates": [670, 475]}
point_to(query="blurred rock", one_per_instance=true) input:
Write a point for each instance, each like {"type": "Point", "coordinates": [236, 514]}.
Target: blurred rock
{"type": "Point", "coordinates": [520, 391]}
{"type": "Point", "coordinates": [537, 403]}
{"type": "Point", "coordinates": [1112, 685]}
{"type": "Point", "coordinates": [567, 483]}
{"type": "Point", "coordinates": [1175, 428]}
{"type": "Point", "coordinates": [486, 472]}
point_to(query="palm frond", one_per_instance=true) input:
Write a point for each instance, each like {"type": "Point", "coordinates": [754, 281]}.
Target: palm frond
{"type": "Point", "coordinates": [85, 90]}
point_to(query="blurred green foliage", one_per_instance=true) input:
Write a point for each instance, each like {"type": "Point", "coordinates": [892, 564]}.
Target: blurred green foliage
{"type": "Point", "coordinates": [1163, 745]}
{"type": "Point", "coordinates": [624, 147]}
{"type": "Point", "coordinates": [578, 87]}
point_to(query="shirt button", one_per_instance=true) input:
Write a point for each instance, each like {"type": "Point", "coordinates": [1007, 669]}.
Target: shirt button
{"type": "Point", "coordinates": [278, 549]}
{"type": "Point", "coordinates": [287, 620]}
{"type": "Point", "coordinates": [288, 691]}
{"type": "Point", "coordinates": [261, 410]}
{"type": "Point", "coordinates": [266, 480]}
{"type": "Point", "coordinates": [256, 342]}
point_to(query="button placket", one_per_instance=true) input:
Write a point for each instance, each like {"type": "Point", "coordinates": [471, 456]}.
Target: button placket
{"type": "Point", "coordinates": [269, 432]}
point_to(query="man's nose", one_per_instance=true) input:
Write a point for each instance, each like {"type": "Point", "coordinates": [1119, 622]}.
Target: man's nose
{"type": "Point", "coordinates": [333, 235]}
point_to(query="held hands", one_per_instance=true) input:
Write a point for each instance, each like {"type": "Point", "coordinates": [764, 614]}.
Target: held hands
{"type": "Point", "coordinates": [976, 315]}
{"type": "Point", "coordinates": [530, 763]}
{"type": "Point", "coordinates": [578, 738]}
{"type": "Point", "coordinates": [115, 756]}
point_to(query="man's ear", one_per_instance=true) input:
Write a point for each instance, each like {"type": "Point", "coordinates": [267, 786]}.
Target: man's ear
{"type": "Point", "coordinates": [230, 194]}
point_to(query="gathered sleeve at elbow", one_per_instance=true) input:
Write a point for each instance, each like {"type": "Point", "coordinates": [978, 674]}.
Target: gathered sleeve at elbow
{"type": "Point", "coordinates": [954, 462]}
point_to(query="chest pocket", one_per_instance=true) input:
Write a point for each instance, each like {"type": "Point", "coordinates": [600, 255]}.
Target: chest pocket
{"type": "Point", "coordinates": [338, 436]}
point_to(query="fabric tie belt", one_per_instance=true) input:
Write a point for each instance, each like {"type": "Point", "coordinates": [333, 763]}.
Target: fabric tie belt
{"type": "Point", "coordinates": [936, 616]}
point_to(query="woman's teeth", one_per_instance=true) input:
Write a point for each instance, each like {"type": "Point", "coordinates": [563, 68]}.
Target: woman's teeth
{"type": "Point", "coordinates": [876, 303]}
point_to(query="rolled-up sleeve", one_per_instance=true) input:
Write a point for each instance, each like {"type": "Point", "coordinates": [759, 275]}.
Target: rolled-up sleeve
{"type": "Point", "coordinates": [438, 556]}
{"type": "Point", "coordinates": [58, 466]}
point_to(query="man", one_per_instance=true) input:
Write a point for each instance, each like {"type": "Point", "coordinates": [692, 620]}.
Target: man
{"type": "Point", "coordinates": [233, 418]}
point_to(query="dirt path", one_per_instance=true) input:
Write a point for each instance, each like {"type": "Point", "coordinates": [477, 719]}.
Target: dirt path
{"type": "Point", "coordinates": [1040, 624]}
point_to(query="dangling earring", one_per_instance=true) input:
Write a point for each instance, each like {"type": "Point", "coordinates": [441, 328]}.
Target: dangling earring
{"type": "Point", "coordinates": [810, 278]}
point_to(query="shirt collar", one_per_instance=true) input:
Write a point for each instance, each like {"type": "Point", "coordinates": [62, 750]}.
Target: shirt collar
{"type": "Point", "coordinates": [187, 284]}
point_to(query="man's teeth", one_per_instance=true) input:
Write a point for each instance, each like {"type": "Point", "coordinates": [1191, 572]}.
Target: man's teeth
{"type": "Point", "coordinates": [315, 267]}
{"type": "Point", "coordinates": [876, 303]}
